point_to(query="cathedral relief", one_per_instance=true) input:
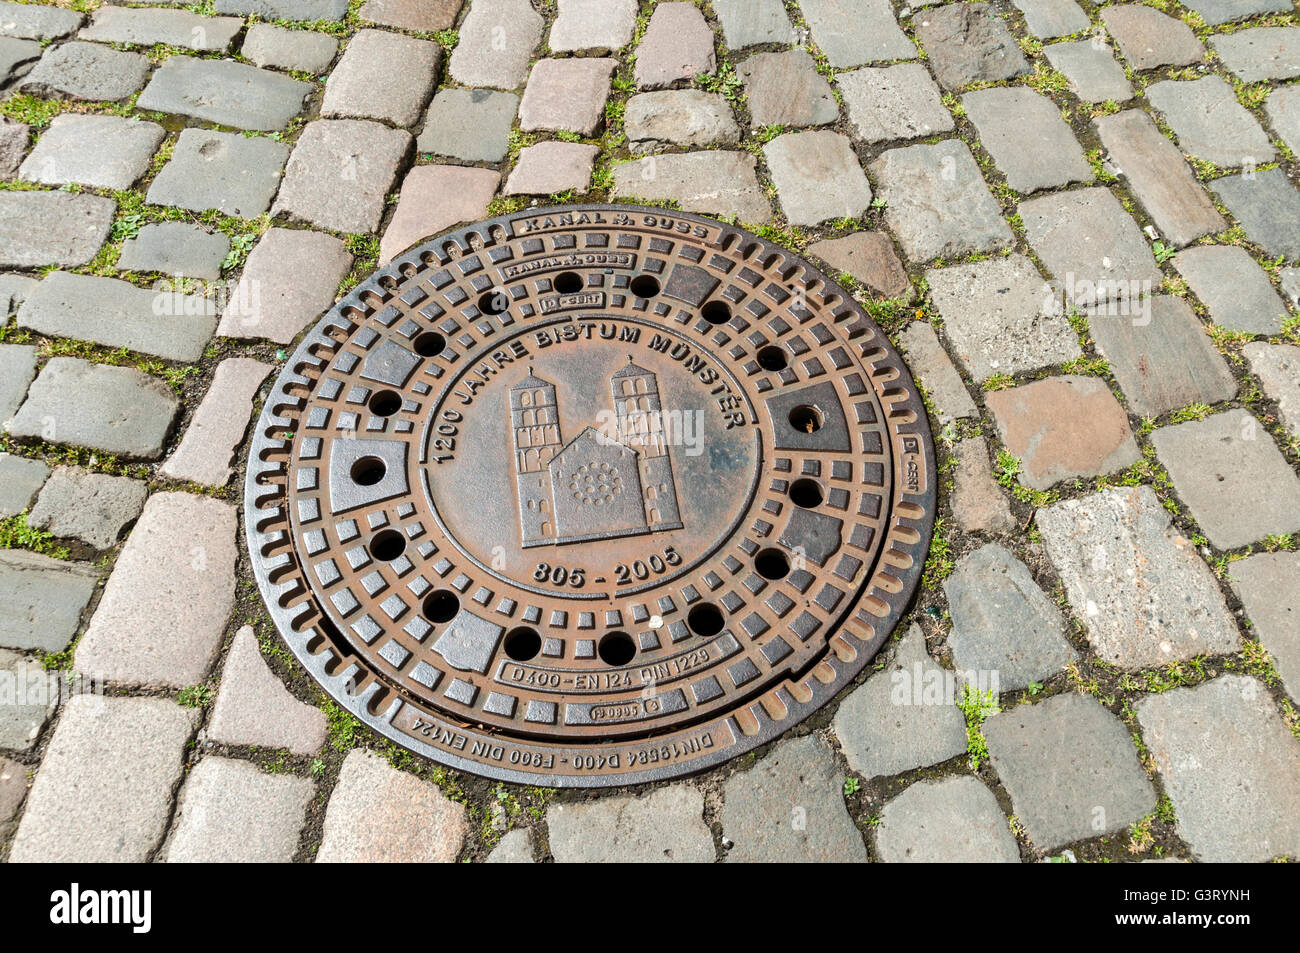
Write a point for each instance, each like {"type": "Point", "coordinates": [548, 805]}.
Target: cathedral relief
{"type": "Point", "coordinates": [596, 486]}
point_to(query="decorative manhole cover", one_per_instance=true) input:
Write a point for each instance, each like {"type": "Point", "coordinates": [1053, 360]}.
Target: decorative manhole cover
{"type": "Point", "coordinates": [590, 495]}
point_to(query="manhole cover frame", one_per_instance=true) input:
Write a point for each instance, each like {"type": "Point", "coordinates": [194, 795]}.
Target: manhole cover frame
{"type": "Point", "coordinates": [869, 615]}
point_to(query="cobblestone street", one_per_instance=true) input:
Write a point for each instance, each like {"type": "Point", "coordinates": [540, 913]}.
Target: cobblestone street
{"type": "Point", "coordinates": [1079, 223]}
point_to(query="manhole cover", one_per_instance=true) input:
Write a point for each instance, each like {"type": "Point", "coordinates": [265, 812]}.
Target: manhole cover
{"type": "Point", "coordinates": [590, 495]}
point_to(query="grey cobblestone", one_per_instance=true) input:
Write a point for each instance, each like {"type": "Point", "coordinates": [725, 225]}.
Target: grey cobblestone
{"type": "Point", "coordinates": [1267, 206]}
{"type": "Point", "coordinates": [1070, 768]}
{"type": "Point", "coordinates": [856, 32]}
{"type": "Point", "coordinates": [20, 478]}
{"type": "Point", "coordinates": [956, 820]}
{"type": "Point", "coordinates": [268, 45]}
{"type": "Point", "coordinates": [515, 847]}
{"type": "Point", "coordinates": [41, 600]}
{"type": "Point", "coordinates": [714, 182]}
{"type": "Point", "coordinates": [115, 409]}
{"type": "Point", "coordinates": [593, 26]}
{"type": "Point", "coordinates": [1216, 12]}
{"type": "Point", "coordinates": [383, 76]}
{"type": "Point", "coordinates": [231, 812]}
{"type": "Point", "coordinates": [116, 313]}
{"type": "Point", "coordinates": [103, 793]}
{"type": "Point", "coordinates": [497, 39]}
{"type": "Point", "coordinates": [164, 609]}
{"type": "Point", "coordinates": [175, 248]}
{"type": "Point", "coordinates": [1029, 141]}
{"type": "Point", "coordinates": [552, 167]}
{"type": "Point", "coordinates": [665, 826]}
{"type": "Point", "coordinates": [1210, 123]}
{"type": "Point", "coordinates": [33, 22]}
{"type": "Point", "coordinates": [26, 708]}
{"type": "Point", "coordinates": [285, 9]}
{"type": "Point", "coordinates": [52, 228]}
{"type": "Point", "coordinates": [17, 371]}
{"type": "Point", "coordinates": [785, 89]}
{"type": "Point", "coordinates": [170, 27]}
{"type": "Point", "coordinates": [751, 22]}
{"type": "Point", "coordinates": [1268, 585]}
{"type": "Point", "coordinates": [254, 708]}
{"type": "Point", "coordinates": [13, 146]}
{"type": "Point", "coordinates": [930, 363]}
{"type": "Point", "coordinates": [817, 177]}
{"type": "Point", "coordinates": [1260, 53]}
{"type": "Point", "coordinates": [1091, 70]}
{"type": "Point", "coordinates": [91, 507]}
{"type": "Point", "coordinates": [1048, 19]}
{"type": "Point", "coordinates": [686, 117]}
{"type": "Point", "coordinates": [1230, 767]}
{"type": "Point", "coordinates": [105, 152]}
{"type": "Point", "coordinates": [893, 102]}
{"type": "Point", "coordinates": [87, 71]}
{"type": "Point", "coordinates": [968, 43]}
{"type": "Point", "coordinates": [978, 503]}
{"type": "Point", "coordinates": [232, 94]}
{"type": "Point", "coordinates": [677, 45]}
{"type": "Point", "coordinates": [1278, 368]}
{"type": "Point", "coordinates": [1148, 38]}
{"type": "Point", "coordinates": [470, 124]}
{"type": "Point", "coordinates": [1236, 291]}
{"type": "Point", "coordinates": [208, 447]}
{"type": "Point", "coordinates": [1283, 109]}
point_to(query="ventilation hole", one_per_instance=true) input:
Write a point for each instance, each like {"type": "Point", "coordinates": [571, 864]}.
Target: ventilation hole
{"type": "Point", "coordinates": [705, 620]}
{"type": "Point", "coordinates": [772, 358]}
{"type": "Point", "coordinates": [645, 286]}
{"type": "Point", "coordinates": [805, 419]}
{"type": "Point", "coordinates": [441, 606]}
{"type": "Point", "coordinates": [806, 493]}
{"type": "Point", "coordinates": [368, 471]}
{"type": "Point", "coordinates": [494, 301]}
{"type": "Point", "coordinates": [568, 283]}
{"type": "Point", "coordinates": [388, 545]}
{"type": "Point", "coordinates": [716, 312]}
{"type": "Point", "coordinates": [523, 644]}
{"type": "Point", "coordinates": [616, 648]}
{"type": "Point", "coordinates": [385, 403]}
{"type": "Point", "coordinates": [772, 564]}
{"type": "Point", "coordinates": [430, 344]}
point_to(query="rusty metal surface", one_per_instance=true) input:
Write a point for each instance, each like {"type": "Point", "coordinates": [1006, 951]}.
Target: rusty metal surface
{"type": "Point", "coordinates": [590, 495]}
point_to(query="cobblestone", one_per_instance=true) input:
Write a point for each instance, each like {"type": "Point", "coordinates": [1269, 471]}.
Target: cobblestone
{"type": "Point", "coordinates": [104, 152]}
{"type": "Point", "coordinates": [1091, 70]}
{"type": "Point", "coordinates": [1143, 594]}
{"type": "Point", "coordinates": [33, 22]}
{"type": "Point", "coordinates": [893, 102]}
{"type": "Point", "coordinates": [1260, 53]}
{"type": "Point", "coordinates": [665, 826]}
{"type": "Point", "coordinates": [930, 363]}
{"type": "Point", "coordinates": [115, 313]}
{"type": "Point", "coordinates": [567, 95]}
{"type": "Point", "coordinates": [384, 76]}
{"type": "Point", "coordinates": [231, 812]}
{"type": "Point", "coordinates": [956, 820]}
{"type": "Point", "coordinates": [817, 177]}
{"type": "Point", "coordinates": [1217, 12]}
{"type": "Point", "coordinates": [936, 202]}
{"type": "Point", "coordinates": [285, 9]}
{"type": "Point", "coordinates": [1070, 768]}
{"type": "Point", "coordinates": [268, 45]}
{"type": "Point", "coordinates": [752, 22]}
{"type": "Point", "coordinates": [978, 503]}
{"type": "Point", "coordinates": [470, 124]}
{"type": "Point", "coordinates": [13, 145]}
{"type": "Point", "coordinates": [433, 199]}
{"type": "Point", "coordinates": [593, 26]}
{"type": "Point", "coordinates": [788, 808]}
{"type": "Point", "coordinates": [1162, 361]}
{"type": "Point", "coordinates": [175, 248]}
{"type": "Point", "coordinates": [1158, 177]}
{"type": "Point", "coordinates": [785, 89]}
{"type": "Point", "coordinates": [1283, 110]}
{"type": "Point", "coordinates": [686, 117]}
{"type": "Point", "coordinates": [1148, 38]}
{"type": "Point", "coordinates": [1049, 19]}
{"type": "Point", "coordinates": [208, 448]}
{"type": "Point", "coordinates": [997, 315]}
{"type": "Point", "coordinates": [232, 94]}
{"type": "Point", "coordinates": [20, 478]}
{"type": "Point", "coordinates": [17, 371]}
{"type": "Point", "coordinates": [427, 16]}
{"type": "Point", "coordinates": [497, 40]}
{"type": "Point", "coordinates": [28, 702]}
{"type": "Point", "coordinates": [115, 409]}
{"type": "Point", "coordinates": [378, 813]}
{"type": "Point", "coordinates": [515, 847]}
{"type": "Point", "coordinates": [715, 182]}
{"type": "Point", "coordinates": [1268, 585]}
{"type": "Point", "coordinates": [1210, 123]}
{"type": "Point", "coordinates": [164, 609]}
{"type": "Point", "coordinates": [1091, 246]}
{"type": "Point", "coordinates": [552, 167]}
{"type": "Point", "coordinates": [856, 32]}
{"type": "Point", "coordinates": [87, 71]}
{"type": "Point", "coordinates": [339, 173]}
{"type": "Point", "coordinates": [870, 258]}
{"type": "Point", "coordinates": [91, 507]}
{"type": "Point", "coordinates": [889, 725]}
{"type": "Point", "coordinates": [1236, 291]}
{"type": "Point", "coordinates": [41, 600]}
{"type": "Point", "coordinates": [968, 43]}
{"type": "Point", "coordinates": [179, 28]}
{"type": "Point", "coordinates": [1029, 141]}
{"type": "Point", "coordinates": [1278, 368]}
{"type": "Point", "coordinates": [52, 228]}
{"type": "Point", "coordinates": [1230, 768]}
{"type": "Point", "coordinates": [104, 791]}
{"type": "Point", "coordinates": [1234, 480]}
{"type": "Point", "coordinates": [1003, 622]}
{"type": "Point", "coordinates": [677, 45]}
{"type": "Point", "coordinates": [288, 282]}
{"type": "Point", "coordinates": [254, 708]}
{"type": "Point", "coordinates": [1267, 206]}
{"type": "Point", "coordinates": [13, 788]}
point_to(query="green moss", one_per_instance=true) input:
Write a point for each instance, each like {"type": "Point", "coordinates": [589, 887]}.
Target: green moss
{"type": "Point", "coordinates": [16, 534]}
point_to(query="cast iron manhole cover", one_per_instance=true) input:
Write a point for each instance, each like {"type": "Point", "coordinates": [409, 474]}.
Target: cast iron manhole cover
{"type": "Point", "coordinates": [590, 495]}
